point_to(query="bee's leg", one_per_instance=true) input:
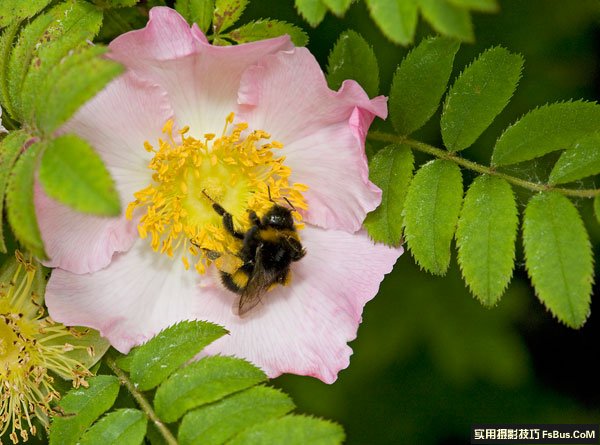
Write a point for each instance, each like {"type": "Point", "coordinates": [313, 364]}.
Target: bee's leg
{"type": "Point", "coordinates": [227, 218]}
{"type": "Point", "coordinates": [254, 219]}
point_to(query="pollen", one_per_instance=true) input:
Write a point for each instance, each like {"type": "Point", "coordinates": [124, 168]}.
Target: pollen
{"type": "Point", "coordinates": [240, 171]}
{"type": "Point", "coordinates": [31, 347]}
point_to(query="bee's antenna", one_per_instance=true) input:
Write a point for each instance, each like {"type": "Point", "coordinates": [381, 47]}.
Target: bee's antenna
{"type": "Point", "coordinates": [209, 198]}
{"type": "Point", "coordinates": [269, 192]}
{"type": "Point", "coordinates": [289, 203]}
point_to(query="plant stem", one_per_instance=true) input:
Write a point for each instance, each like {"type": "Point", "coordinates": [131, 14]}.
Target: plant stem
{"type": "Point", "coordinates": [142, 401]}
{"type": "Point", "coordinates": [447, 155]}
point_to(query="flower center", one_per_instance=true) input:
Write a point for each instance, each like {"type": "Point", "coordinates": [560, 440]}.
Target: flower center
{"type": "Point", "coordinates": [238, 171]}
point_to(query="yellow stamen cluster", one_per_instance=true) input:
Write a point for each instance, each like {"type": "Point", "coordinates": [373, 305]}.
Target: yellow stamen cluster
{"type": "Point", "coordinates": [238, 170]}
{"type": "Point", "coordinates": [31, 346]}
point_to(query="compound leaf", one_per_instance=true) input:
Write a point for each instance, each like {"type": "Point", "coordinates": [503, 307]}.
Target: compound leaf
{"type": "Point", "coordinates": [292, 430]}
{"type": "Point", "coordinates": [19, 201]}
{"type": "Point", "coordinates": [391, 169]}
{"type": "Point", "coordinates": [558, 257]}
{"type": "Point", "coordinates": [338, 7]}
{"type": "Point", "coordinates": [579, 162]}
{"type": "Point", "coordinates": [486, 235]}
{"type": "Point", "coordinates": [313, 11]}
{"type": "Point", "coordinates": [216, 423]}
{"type": "Point", "coordinates": [83, 406]}
{"type": "Point", "coordinates": [431, 211]}
{"type": "Point", "coordinates": [155, 360]}
{"type": "Point", "coordinates": [197, 11]}
{"type": "Point", "coordinates": [16, 10]}
{"type": "Point", "coordinates": [123, 426]}
{"type": "Point", "coordinates": [205, 381]}
{"type": "Point", "coordinates": [479, 94]}
{"type": "Point", "coordinates": [353, 58]}
{"type": "Point", "coordinates": [266, 29]}
{"type": "Point", "coordinates": [546, 129]}
{"type": "Point", "coordinates": [448, 19]}
{"type": "Point", "coordinates": [73, 173]}
{"type": "Point", "coordinates": [420, 82]}
{"type": "Point", "coordinates": [226, 13]}
{"type": "Point", "coordinates": [10, 149]}
{"type": "Point", "coordinates": [397, 19]}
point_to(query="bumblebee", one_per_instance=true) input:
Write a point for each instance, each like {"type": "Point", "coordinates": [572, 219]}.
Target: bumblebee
{"type": "Point", "coordinates": [269, 247]}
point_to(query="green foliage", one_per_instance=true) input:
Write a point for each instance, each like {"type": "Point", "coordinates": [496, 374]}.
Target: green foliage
{"type": "Point", "coordinates": [597, 207]}
{"type": "Point", "coordinates": [19, 201]}
{"type": "Point", "coordinates": [227, 13]}
{"type": "Point", "coordinates": [163, 354]}
{"type": "Point", "coordinates": [292, 430]}
{"type": "Point", "coordinates": [313, 11]}
{"type": "Point", "coordinates": [338, 7]}
{"type": "Point", "coordinates": [76, 80]}
{"type": "Point", "coordinates": [267, 29]}
{"type": "Point", "coordinates": [197, 11]}
{"type": "Point", "coordinates": [486, 235]}
{"type": "Point", "coordinates": [477, 5]}
{"type": "Point", "coordinates": [73, 173]}
{"type": "Point", "coordinates": [431, 211]}
{"type": "Point", "coordinates": [17, 10]}
{"type": "Point", "coordinates": [114, 4]}
{"type": "Point", "coordinates": [124, 426]}
{"type": "Point", "coordinates": [579, 162]}
{"type": "Point", "coordinates": [6, 46]}
{"type": "Point", "coordinates": [205, 381]}
{"type": "Point", "coordinates": [353, 58]}
{"type": "Point", "coordinates": [216, 423]}
{"type": "Point", "coordinates": [558, 257]}
{"type": "Point", "coordinates": [10, 149]}
{"type": "Point", "coordinates": [82, 407]}
{"type": "Point", "coordinates": [397, 19]}
{"type": "Point", "coordinates": [448, 19]}
{"type": "Point", "coordinates": [546, 129]}
{"type": "Point", "coordinates": [221, 392]}
{"type": "Point", "coordinates": [479, 94]}
{"type": "Point", "coordinates": [391, 169]}
{"type": "Point", "coordinates": [420, 82]}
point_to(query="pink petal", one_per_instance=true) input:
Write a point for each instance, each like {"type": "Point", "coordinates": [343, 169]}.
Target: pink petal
{"type": "Point", "coordinates": [140, 293]}
{"type": "Point", "coordinates": [323, 133]}
{"type": "Point", "coordinates": [77, 242]}
{"type": "Point", "coordinates": [302, 328]}
{"type": "Point", "coordinates": [202, 80]}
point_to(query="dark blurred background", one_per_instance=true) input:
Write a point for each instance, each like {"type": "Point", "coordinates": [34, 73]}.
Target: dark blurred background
{"type": "Point", "coordinates": [429, 360]}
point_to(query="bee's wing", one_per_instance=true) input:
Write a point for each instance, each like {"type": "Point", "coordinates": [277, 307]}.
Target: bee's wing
{"type": "Point", "coordinates": [258, 283]}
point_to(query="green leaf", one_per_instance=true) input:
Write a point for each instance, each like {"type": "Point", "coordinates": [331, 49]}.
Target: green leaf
{"type": "Point", "coordinates": [430, 214]}
{"type": "Point", "coordinates": [292, 430]}
{"type": "Point", "coordinates": [579, 162]}
{"type": "Point", "coordinates": [266, 29]}
{"type": "Point", "coordinates": [447, 19]}
{"type": "Point", "coordinates": [313, 11]}
{"type": "Point", "coordinates": [216, 423]}
{"type": "Point", "coordinates": [72, 172]}
{"type": "Point", "coordinates": [123, 427]}
{"type": "Point", "coordinates": [477, 5]}
{"type": "Point", "coordinates": [72, 83]}
{"type": "Point", "coordinates": [74, 23]}
{"type": "Point", "coordinates": [113, 4]}
{"type": "Point", "coordinates": [19, 201]}
{"type": "Point", "coordinates": [485, 236]}
{"type": "Point", "coordinates": [226, 13]}
{"type": "Point", "coordinates": [86, 405]}
{"type": "Point", "coordinates": [338, 7]}
{"type": "Point", "coordinates": [6, 47]}
{"type": "Point", "coordinates": [10, 149]}
{"type": "Point", "coordinates": [89, 347]}
{"type": "Point", "coordinates": [391, 169]}
{"type": "Point", "coordinates": [17, 10]}
{"type": "Point", "coordinates": [397, 19]}
{"type": "Point", "coordinates": [558, 257]}
{"type": "Point", "coordinates": [353, 58]}
{"type": "Point", "coordinates": [479, 94]}
{"type": "Point", "coordinates": [199, 11]}
{"type": "Point", "coordinates": [597, 207]}
{"type": "Point", "coordinates": [205, 381]}
{"type": "Point", "coordinates": [546, 129]}
{"type": "Point", "coordinates": [420, 82]}
{"type": "Point", "coordinates": [155, 360]}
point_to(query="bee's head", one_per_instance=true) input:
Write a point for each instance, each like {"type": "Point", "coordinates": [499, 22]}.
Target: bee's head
{"type": "Point", "coordinates": [278, 217]}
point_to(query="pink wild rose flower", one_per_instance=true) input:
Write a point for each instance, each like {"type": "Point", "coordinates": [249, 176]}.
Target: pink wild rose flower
{"type": "Point", "coordinates": [246, 127]}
